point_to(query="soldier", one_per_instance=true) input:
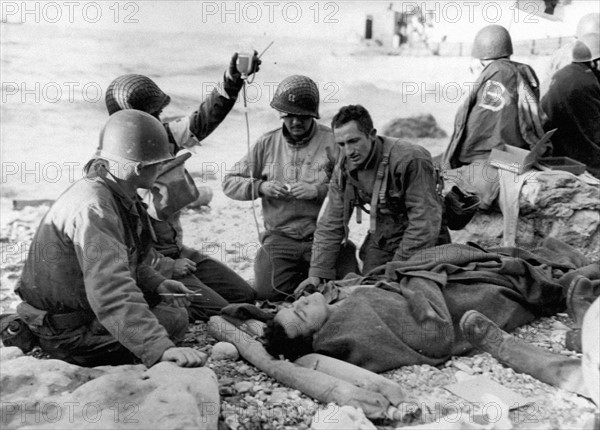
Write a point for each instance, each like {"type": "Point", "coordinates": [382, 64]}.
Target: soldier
{"type": "Point", "coordinates": [87, 295]}
{"type": "Point", "coordinates": [289, 169]}
{"type": "Point", "coordinates": [218, 284]}
{"type": "Point", "coordinates": [589, 23]}
{"type": "Point", "coordinates": [502, 109]}
{"type": "Point", "coordinates": [399, 182]}
{"type": "Point", "coordinates": [573, 105]}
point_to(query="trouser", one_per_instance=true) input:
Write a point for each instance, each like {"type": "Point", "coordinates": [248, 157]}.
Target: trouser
{"type": "Point", "coordinates": [373, 255]}
{"type": "Point", "coordinates": [93, 345]}
{"type": "Point", "coordinates": [218, 284]}
{"type": "Point", "coordinates": [282, 263]}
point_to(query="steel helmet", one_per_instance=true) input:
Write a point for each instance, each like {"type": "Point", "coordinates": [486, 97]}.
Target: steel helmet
{"type": "Point", "coordinates": [297, 95]}
{"type": "Point", "coordinates": [589, 23]}
{"type": "Point", "coordinates": [587, 48]}
{"type": "Point", "coordinates": [133, 136]}
{"type": "Point", "coordinates": [135, 92]}
{"type": "Point", "coordinates": [491, 42]}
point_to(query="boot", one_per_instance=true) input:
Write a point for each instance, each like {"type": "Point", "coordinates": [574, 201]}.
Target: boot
{"type": "Point", "coordinates": [554, 369]}
{"type": "Point", "coordinates": [580, 297]}
{"type": "Point", "coordinates": [482, 332]}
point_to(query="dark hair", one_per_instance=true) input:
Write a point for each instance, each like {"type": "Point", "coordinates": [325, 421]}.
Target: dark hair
{"type": "Point", "coordinates": [277, 342]}
{"type": "Point", "coordinates": [353, 113]}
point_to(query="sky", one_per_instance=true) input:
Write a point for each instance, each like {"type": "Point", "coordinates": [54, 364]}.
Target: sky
{"type": "Point", "coordinates": [339, 20]}
{"type": "Point", "coordinates": [319, 19]}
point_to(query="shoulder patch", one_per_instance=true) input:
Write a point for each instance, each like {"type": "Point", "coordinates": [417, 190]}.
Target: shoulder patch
{"type": "Point", "coordinates": [493, 96]}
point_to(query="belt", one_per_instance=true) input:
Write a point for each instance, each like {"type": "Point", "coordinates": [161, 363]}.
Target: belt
{"type": "Point", "coordinates": [282, 234]}
{"type": "Point", "coordinates": [59, 321]}
{"type": "Point", "coordinates": [70, 320]}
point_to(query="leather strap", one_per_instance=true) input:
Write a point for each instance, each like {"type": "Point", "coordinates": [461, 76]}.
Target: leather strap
{"type": "Point", "coordinates": [380, 186]}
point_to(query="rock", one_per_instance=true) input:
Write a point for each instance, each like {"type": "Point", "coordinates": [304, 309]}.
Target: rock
{"type": "Point", "coordinates": [334, 417]}
{"type": "Point", "coordinates": [279, 395]}
{"type": "Point", "coordinates": [462, 376]}
{"type": "Point", "coordinates": [224, 351]}
{"type": "Point", "coordinates": [461, 366]}
{"type": "Point", "coordinates": [243, 387]}
{"type": "Point", "coordinates": [232, 422]}
{"type": "Point", "coordinates": [10, 352]}
{"type": "Point", "coordinates": [414, 127]}
{"type": "Point", "coordinates": [552, 204]}
{"type": "Point", "coordinates": [54, 394]}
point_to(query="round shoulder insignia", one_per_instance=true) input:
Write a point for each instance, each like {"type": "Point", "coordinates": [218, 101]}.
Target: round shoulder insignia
{"type": "Point", "coordinates": [493, 96]}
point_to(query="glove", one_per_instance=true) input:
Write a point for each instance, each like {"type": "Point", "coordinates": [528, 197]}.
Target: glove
{"type": "Point", "coordinates": [233, 72]}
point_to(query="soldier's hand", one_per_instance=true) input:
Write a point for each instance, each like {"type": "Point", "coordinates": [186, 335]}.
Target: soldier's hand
{"type": "Point", "coordinates": [256, 62]}
{"type": "Point", "coordinates": [304, 191]}
{"type": "Point", "coordinates": [169, 290]}
{"type": "Point", "coordinates": [185, 357]}
{"type": "Point", "coordinates": [233, 72]}
{"type": "Point", "coordinates": [183, 267]}
{"type": "Point", "coordinates": [307, 287]}
{"type": "Point", "coordinates": [274, 190]}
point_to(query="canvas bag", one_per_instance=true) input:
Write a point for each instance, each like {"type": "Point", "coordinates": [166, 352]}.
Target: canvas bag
{"type": "Point", "coordinates": [173, 190]}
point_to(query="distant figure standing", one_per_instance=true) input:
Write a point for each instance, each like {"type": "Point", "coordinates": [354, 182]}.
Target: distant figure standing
{"type": "Point", "coordinates": [573, 105]}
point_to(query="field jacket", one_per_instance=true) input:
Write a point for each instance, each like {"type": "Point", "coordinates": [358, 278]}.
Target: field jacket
{"type": "Point", "coordinates": [502, 109]}
{"type": "Point", "coordinates": [410, 219]}
{"type": "Point", "coordinates": [85, 257]}
{"type": "Point", "coordinates": [273, 158]}
{"type": "Point", "coordinates": [573, 106]}
{"type": "Point", "coordinates": [189, 131]}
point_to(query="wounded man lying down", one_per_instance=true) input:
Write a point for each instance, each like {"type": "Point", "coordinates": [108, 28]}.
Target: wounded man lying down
{"type": "Point", "coordinates": [410, 313]}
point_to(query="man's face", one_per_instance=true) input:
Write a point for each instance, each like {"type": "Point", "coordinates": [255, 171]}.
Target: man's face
{"type": "Point", "coordinates": [357, 145]}
{"type": "Point", "coordinates": [297, 125]}
{"type": "Point", "coordinates": [305, 317]}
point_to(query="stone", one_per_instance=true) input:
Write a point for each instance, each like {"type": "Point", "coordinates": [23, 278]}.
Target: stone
{"type": "Point", "coordinates": [552, 204]}
{"type": "Point", "coordinates": [418, 126]}
{"type": "Point", "coordinates": [10, 352]}
{"type": "Point", "coordinates": [49, 394]}
{"type": "Point", "coordinates": [224, 351]}
{"type": "Point", "coordinates": [334, 417]}
{"type": "Point", "coordinates": [243, 387]}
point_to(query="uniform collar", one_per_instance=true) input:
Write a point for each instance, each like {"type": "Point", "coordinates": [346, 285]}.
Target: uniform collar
{"type": "Point", "coordinates": [97, 169]}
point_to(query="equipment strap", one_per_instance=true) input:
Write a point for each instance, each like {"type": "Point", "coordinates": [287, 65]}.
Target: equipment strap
{"type": "Point", "coordinates": [380, 186]}
{"type": "Point", "coordinates": [59, 321]}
